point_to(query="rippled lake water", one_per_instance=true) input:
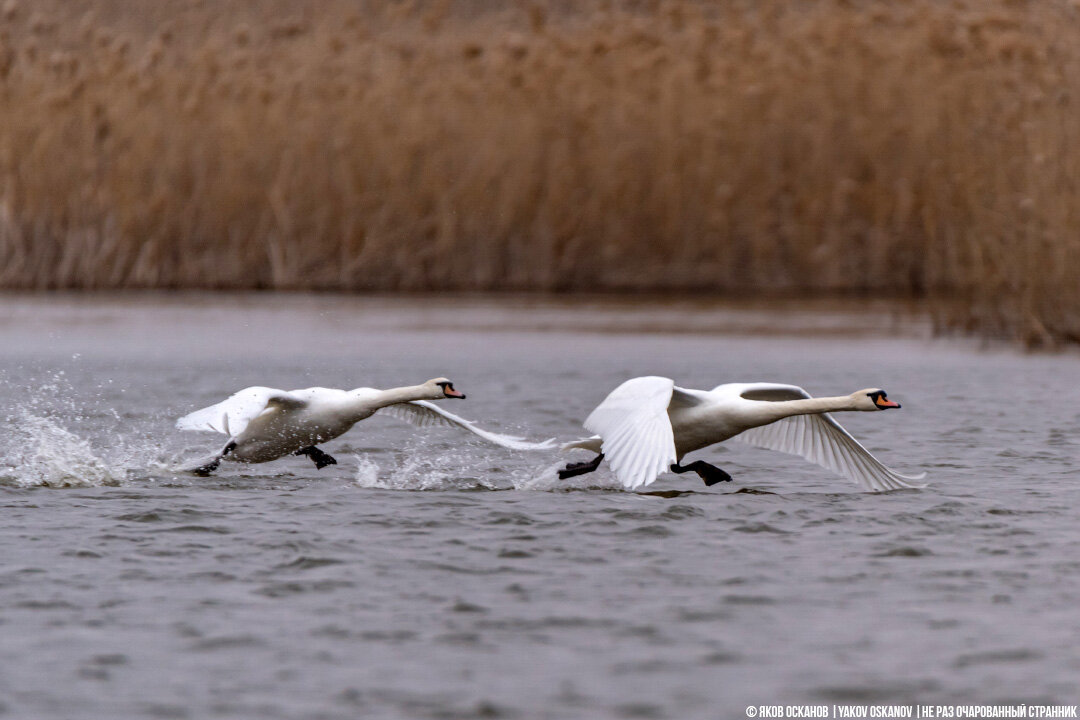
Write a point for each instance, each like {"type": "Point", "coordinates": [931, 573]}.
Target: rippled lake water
{"type": "Point", "coordinates": [430, 576]}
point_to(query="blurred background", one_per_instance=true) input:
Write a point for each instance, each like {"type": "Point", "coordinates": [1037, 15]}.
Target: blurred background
{"type": "Point", "coordinates": [749, 149]}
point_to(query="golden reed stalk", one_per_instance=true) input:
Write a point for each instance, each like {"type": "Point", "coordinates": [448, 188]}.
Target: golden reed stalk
{"type": "Point", "coordinates": [925, 149]}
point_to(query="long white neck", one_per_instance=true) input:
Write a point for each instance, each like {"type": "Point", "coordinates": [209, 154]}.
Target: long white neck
{"type": "Point", "coordinates": [393, 396]}
{"type": "Point", "coordinates": [362, 407]}
{"type": "Point", "coordinates": [773, 411]}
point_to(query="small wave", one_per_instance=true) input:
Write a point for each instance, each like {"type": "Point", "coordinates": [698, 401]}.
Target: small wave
{"type": "Point", "coordinates": [759, 527]}
{"type": "Point", "coordinates": [877, 691]}
{"type": "Point", "coordinates": [305, 562]}
{"type": "Point", "coordinates": [904, 551]}
{"type": "Point", "coordinates": [749, 600]}
{"type": "Point", "coordinates": [651, 531]}
{"type": "Point", "coordinates": [997, 656]}
{"type": "Point", "coordinates": [286, 589]}
{"type": "Point", "coordinates": [682, 512]}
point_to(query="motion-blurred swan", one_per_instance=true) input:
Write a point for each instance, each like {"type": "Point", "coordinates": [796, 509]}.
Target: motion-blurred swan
{"type": "Point", "coordinates": [646, 426]}
{"type": "Point", "coordinates": [264, 424]}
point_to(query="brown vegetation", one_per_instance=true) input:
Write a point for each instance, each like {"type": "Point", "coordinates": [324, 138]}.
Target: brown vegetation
{"type": "Point", "coordinates": [922, 149]}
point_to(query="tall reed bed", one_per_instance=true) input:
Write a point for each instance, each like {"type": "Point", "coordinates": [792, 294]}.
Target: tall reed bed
{"type": "Point", "coordinates": [926, 149]}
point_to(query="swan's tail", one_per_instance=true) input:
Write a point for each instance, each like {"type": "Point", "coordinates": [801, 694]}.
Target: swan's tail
{"type": "Point", "coordinates": [590, 443]}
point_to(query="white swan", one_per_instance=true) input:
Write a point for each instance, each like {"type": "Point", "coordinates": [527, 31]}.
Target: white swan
{"type": "Point", "coordinates": [646, 426]}
{"type": "Point", "coordinates": [264, 424]}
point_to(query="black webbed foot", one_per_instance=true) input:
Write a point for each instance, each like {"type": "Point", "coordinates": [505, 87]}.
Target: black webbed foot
{"type": "Point", "coordinates": [710, 474]}
{"type": "Point", "coordinates": [581, 468]}
{"type": "Point", "coordinates": [320, 458]}
{"type": "Point", "coordinates": [208, 469]}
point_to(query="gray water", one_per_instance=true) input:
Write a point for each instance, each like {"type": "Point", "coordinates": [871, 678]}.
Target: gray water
{"type": "Point", "coordinates": [430, 576]}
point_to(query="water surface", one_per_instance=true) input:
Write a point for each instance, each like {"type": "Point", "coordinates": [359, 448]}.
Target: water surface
{"type": "Point", "coordinates": [430, 576]}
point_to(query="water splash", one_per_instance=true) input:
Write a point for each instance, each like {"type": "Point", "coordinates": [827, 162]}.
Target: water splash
{"type": "Point", "coordinates": [41, 445]}
{"type": "Point", "coordinates": [42, 453]}
{"type": "Point", "coordinates": [545, 478]}
{"type": "Point", "coordinates": [423, 464]}
{"type": "Point", "coordinates": [367, 473]}
{"type": "Point", "coordinates": [426, 466]}
{"type": "Point", "coordinates": [438, 472]}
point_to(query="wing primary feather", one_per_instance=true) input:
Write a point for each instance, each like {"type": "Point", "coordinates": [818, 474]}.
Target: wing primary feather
{"type": "Point", "coordinates": [823, 441]}
{"type": "Point", "coordinates": [232, 415]}
{"type": "Point", "coordinates": [636, 434]}
{"type": "Point", "coordinates": [424, 414]}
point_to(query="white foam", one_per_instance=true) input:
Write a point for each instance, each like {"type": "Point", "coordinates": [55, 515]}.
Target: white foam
{"type": "Point", "coordinates": [545, 478]}
{"type": "Point", "coordinates": [438, 472]}
{"type": "Point", "coordinates": [424, 465]}
{"type": "Point", "coordinates": [367, 473]}
{"type": "Point", "coordinates": [42, 453]}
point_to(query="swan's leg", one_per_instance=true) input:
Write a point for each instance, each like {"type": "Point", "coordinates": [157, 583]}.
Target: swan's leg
{"type": "Point", "coordinates": [209, 467]}
{"type": "Point", "coordinates": [709, 473]}
{"type": "Point", "coordinates": [580, 468]}
{"type": "Point", "coordinates": [317, 456]}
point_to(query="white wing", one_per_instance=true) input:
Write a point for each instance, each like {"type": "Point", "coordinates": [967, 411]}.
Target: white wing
{"type": "Point", "coordinates": [231, 416]}
{"type": "Point", "coordinates": [633, 422]}
{"type": "Point", "coordinates": [821, 440]}
{"type": "Point", "coordinates": [424, 414]}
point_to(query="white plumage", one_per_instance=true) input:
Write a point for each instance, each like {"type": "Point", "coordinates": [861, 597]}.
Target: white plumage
{"type": "Point", "coordinates": [634, 423]}
{"type": "Point", "coordinates": [232, 415]}
{"type": "Point", "coordinates": [264, 424]}
{"type": "Point", "coordinates": [424, 414]}
{"type": "Point", "coordinates": [647, 424]}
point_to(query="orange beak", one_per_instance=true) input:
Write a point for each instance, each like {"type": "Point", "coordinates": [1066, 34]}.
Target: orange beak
{"type": "Point", "coordinates": [451, 392]}
{"type": "Point", "coordinates": [881, 402]}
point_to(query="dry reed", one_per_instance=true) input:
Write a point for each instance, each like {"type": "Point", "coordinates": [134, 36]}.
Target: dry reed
{"type": "Point", "coordinates": [922, 149]}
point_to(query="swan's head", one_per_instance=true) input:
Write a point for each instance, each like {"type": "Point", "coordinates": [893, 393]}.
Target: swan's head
{"type": "Point", "coordinates": [443, 388]}
{"type": "Point", "coordinates": [874, 399]}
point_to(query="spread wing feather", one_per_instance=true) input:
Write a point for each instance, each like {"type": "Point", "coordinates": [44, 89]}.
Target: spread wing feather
{"type": "Point", "coordinates": [821, 440]}
{"type": "Point", "coordinates": [232, 415]}
{"type": "Point", "coordinates": [424, 414]}
{"type": "Point", "coordinates": [633, 422]}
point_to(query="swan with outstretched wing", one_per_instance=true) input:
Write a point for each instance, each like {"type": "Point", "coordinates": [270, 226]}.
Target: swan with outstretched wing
{"type": "Point", "coordinates": [647, 425]}
{"type": "Point", "coordinates": [265, 424]}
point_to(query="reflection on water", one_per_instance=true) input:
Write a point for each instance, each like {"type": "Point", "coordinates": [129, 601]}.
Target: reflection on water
{"type": "Point", "coordinates": [429, 575]}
